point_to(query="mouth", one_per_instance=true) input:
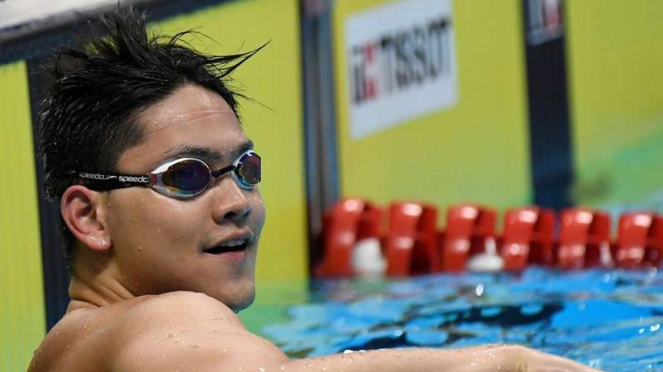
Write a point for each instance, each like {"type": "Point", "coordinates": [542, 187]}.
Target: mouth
{"type": "Point", "coordinates": [230, 246]}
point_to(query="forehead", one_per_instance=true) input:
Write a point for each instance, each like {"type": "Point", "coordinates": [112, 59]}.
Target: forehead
{"type": "Point", "coordinates": [191, 116]}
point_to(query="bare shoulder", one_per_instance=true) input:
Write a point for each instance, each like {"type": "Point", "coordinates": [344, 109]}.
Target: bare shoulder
{"type": "Point", "coordinates": [182, 307]}
{"type": "Point", "coordinates": [183, 330]}
{"type": "Point", "coordinates": [169, 332]}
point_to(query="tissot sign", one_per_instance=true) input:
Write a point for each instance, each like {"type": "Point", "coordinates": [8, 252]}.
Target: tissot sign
{"type": "Point", "coordinates": [401, 63]}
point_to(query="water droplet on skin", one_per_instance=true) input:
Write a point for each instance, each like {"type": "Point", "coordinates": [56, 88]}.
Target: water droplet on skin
{"type": "Point", "coordinates": [261, 369]}
{"type": "Point", "coordinates": [140, 247]}
{"type": "Point", "coordinates": [57, 334]}
{"type": "Point", "coordinates": [345, 356]}
{"type": "Point", "coordinates": [194, 345]}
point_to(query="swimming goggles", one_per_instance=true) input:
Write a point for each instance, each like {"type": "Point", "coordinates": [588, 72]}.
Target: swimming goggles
{"type": "Point", "coordinates": [182, 178]}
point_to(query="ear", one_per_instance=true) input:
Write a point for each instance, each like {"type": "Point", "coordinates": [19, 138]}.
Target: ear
{"type": "Point", "coordinates": [83, 212]}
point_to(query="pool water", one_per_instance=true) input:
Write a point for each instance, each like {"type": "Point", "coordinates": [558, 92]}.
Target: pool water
{"type": "Point", "coordinates": [610, 320]}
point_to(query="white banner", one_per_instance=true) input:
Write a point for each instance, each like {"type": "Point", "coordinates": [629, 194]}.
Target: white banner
{"type": "Point", "coordinates": [14, 13]}
{"type": "Point", "coordinates": [401, 63]}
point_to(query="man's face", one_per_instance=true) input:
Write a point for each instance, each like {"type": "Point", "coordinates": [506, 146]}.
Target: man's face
{"type": "Point", "coordinates": [161, 244]}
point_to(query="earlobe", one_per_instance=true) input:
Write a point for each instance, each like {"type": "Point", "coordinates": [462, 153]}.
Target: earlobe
{"type": "Point", "coordinates": [84, 216]}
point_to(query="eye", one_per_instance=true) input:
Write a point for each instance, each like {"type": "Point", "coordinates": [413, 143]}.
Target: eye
{"type": "Point", "coordinates": [187, 176]}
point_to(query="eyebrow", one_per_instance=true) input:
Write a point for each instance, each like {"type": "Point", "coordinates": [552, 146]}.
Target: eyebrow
{"type": "Point", "coordinates": [206, 154]}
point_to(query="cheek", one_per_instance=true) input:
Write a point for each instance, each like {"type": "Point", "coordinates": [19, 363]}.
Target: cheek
{"type": "Point", "coordinates": [259, 213]}
{"type": "Point", "coordinates": [148, 221]}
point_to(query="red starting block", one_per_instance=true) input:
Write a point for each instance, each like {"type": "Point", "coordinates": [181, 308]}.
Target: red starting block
{"type": "Point", "coordinates": [584, 239]}
{"type": "Point", "coordinates": [632, 239]}
{"type": "Point", "coordinates": [468, 228]}
{"type": "Point", "coordinates": [410, 241]}
{"type": "Point", "coordinates": [528, 237]}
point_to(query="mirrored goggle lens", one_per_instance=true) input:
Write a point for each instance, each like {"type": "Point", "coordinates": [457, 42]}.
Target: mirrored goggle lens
{"type": "Point", "coordinates": [249, 169]}
{"type": "Point", "coordinates": [187, 177]}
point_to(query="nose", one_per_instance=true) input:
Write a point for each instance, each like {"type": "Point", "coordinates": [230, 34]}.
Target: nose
{"type": "Point", "coordinates": [231, 202]}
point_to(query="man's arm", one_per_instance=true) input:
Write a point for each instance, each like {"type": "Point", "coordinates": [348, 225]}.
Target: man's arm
{"type": "Point", "coordinates": [494, 358]}
{"type": "Point", "coordinates": [185, 331]}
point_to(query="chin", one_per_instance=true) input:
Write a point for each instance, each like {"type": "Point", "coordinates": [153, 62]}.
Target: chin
{"type": "Point", "coordinates": [237, 296]}
{"type": "Point", "coordinates": [241, 301]}
{"type": "Point", "coordinates": [248, 301]}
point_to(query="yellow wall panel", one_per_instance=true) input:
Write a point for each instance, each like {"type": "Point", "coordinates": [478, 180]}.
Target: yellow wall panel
{"type": "Point", "coordinates": [476, 151]}
{"type": "Point", "coordinates": [22, 314]}
{"type": "Point", "coordinates": [273, 78]}
{"type": "Point", "coordinates": [615, 60]}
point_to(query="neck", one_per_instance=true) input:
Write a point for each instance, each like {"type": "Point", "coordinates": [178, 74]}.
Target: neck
{"type": "Point", "coordinates": [96, 284]}
{"type": "Point", "coordinates": [85, 294]}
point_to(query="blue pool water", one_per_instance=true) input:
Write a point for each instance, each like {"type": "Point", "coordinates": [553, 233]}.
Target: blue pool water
{"type": "Point", "coordinates": [606, 319]}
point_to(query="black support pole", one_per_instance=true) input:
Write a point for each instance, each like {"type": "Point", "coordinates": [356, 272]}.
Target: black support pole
{"type": "Point", "coordinates": [549, 114]}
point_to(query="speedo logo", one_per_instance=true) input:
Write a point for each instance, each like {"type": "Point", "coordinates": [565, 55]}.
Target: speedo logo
{"type": "Point", "coordinates": [95, 176]}
{"type": "Point", "coordinates": [141, 179]}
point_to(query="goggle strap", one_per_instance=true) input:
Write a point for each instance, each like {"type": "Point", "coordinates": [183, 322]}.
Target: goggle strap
{"type": "Point", "coordinates": [106, 182]}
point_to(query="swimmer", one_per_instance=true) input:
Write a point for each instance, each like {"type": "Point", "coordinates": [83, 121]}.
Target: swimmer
{"type": "Point", "coordinates": [158, 190]}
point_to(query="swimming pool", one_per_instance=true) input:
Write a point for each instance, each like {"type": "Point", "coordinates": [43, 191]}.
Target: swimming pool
{"type": "Point", "coordinates": [607, 319]}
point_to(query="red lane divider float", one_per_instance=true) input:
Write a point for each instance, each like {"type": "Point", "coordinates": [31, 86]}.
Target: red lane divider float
{"type": "Point", "coordinates": [469, 227]}
{"type": "Point", "coordinates": [629, 252]}
{"type": "Point", "coordinates": [528, 238]}
{"type": "Point", "coordinates": [654, 251]}
{"type": "Point", "coordinates": [355, 243]}
{"type": "Point", "coordinates": [410, 240]}
{"type": "Point", "coordinates": [349, 222]}
{"type": "Point", "coordinates": [584, 239]}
